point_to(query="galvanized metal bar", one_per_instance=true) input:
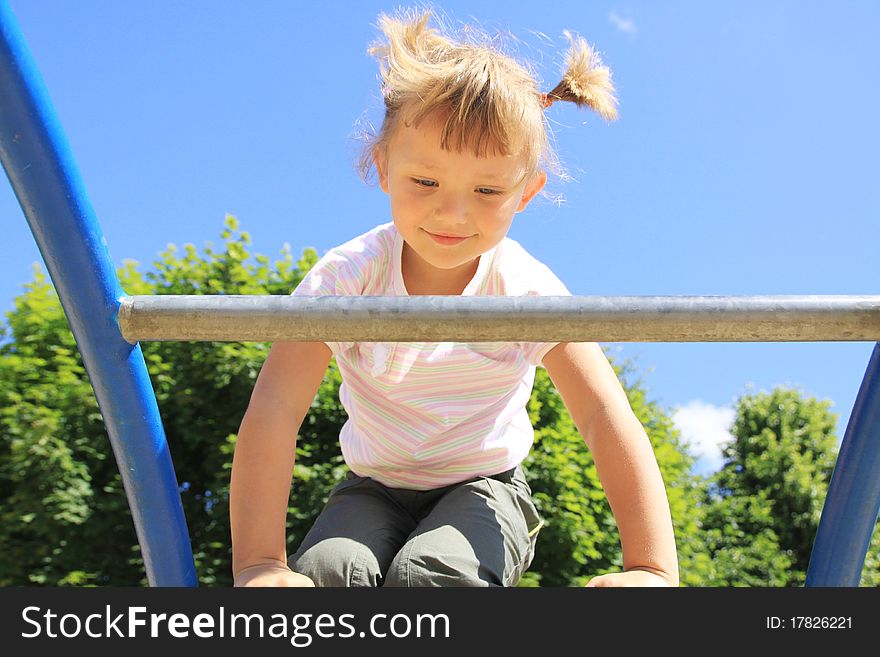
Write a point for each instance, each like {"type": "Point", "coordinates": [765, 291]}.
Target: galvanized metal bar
{"type": "Point", "coordinates": [502, 319]}
{"type": "Point", "coordinates": [852, 503]}
{"type": "Point", "coordinates": [44, 177]}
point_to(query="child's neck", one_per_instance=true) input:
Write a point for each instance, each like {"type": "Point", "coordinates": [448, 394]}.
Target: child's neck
{"type": "Point", "coordinates": [420, 278]}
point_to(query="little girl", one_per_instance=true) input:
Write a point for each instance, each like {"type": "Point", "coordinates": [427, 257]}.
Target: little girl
{"type": "Point", "coordinates": [436, 432]}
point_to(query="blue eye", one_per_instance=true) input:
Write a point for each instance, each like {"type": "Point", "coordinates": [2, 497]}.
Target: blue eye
{"type": "Point", "coordinates": [423, 182]}
{"type": "Point", "coordinates": [485, 191]}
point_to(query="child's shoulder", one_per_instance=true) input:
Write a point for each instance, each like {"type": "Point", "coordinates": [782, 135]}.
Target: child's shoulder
{"type": "Point", "coordinates": [375, 242]}
{"type": "Point", "coordinates": [362, 254]}
{"type": "Point", "coordinates": [521, 273]}
{"type": "Point", "coordinates": [346, 269]}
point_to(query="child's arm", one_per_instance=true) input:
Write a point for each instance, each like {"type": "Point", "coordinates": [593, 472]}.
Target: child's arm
{"type": "Point", "coordinates": [262, 466]}
{"type": "Point", "coordinates": [624, 460]}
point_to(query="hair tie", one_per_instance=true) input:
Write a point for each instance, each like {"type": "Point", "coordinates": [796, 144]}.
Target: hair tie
{"type": "Point", "coordinates": [547, 100]}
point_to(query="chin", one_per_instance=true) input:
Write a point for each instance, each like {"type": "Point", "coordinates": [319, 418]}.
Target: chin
{"type": "Point", "coordinates": [447, 264]}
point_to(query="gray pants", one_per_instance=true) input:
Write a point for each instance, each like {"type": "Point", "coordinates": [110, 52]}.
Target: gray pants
{"type": "Point", "coordinates": [480, 532]}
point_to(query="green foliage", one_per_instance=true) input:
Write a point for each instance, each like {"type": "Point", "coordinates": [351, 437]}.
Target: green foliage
{"type": "Point", "coordinates": [580, 539]}
{"type": "Point", "coordinates": [65, 518]}
{"type": "Point", "coordinates": [56, 471]}
{"type": "Point", "coordinates": [763, 506]}
{"type": "Point", "coordinates": [871, 571]}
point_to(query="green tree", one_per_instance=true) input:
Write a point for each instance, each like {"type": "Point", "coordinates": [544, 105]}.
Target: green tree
{"type": "Point", "coordinates": [64, 517]}
{"type": "Point", "coordinates": [54, 477]}
{"type": "Point", "coordinates": [871, 570]}
{"type": "Point", "coordinates": [763, 506]}
{"type": "Point", "coordinates": [580, 537]}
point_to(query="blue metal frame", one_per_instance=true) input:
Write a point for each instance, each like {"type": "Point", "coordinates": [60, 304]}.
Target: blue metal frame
{"type": "Point", "coordinates": [853, 499]}
{"type": "Point", "coordinates": [41, 169]}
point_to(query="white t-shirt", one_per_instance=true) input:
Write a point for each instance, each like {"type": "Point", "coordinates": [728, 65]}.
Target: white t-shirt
{"type": "Point", "coordinates": [423, 415]}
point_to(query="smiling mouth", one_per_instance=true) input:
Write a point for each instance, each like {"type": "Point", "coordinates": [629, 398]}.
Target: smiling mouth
{"type": "Point", "coordinates": [446, 239]}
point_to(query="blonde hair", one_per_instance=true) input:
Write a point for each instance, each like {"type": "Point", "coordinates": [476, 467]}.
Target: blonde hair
{"type": "Point", "coordinates": [486, 100]}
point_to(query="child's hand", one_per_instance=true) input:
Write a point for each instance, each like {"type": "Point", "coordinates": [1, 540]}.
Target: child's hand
{"type": "Point", "coordinates": [629, 578]}
{"type": "Point", "coordinates": [271, 574]}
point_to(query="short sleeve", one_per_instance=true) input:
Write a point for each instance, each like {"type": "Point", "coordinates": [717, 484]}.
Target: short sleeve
{"type": "Point", "coordinates": [330, 276]}
{"type": "Point", "coordinates": [542, 282]}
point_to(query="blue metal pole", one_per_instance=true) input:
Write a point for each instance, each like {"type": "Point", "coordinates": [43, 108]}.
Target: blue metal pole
{"type": "Point", "coordinates": [41, 169]}
{"type": "Point", "coordinates": [853, 500]}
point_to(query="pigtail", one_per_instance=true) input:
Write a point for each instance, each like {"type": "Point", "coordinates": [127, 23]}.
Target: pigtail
{"type": "Point", "coordinates": [586, 82]}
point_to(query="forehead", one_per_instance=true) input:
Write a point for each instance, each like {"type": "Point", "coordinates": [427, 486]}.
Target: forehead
{"type": "Point", "coordinates": [421, 144]}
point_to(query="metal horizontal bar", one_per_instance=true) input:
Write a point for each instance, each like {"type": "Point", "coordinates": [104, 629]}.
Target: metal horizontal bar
{"type": "Point", "coordinates": [236, 318]}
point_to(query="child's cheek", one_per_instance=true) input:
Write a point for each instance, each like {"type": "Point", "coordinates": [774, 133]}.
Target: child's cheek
{"type": "Point", "coordinates": [508, 204]}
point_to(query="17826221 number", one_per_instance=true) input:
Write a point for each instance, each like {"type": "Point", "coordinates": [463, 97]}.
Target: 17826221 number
{"type": "Point", "coordinates": [809, 623]}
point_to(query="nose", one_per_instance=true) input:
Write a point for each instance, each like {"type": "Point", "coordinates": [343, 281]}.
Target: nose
{"type": "Point", "coordinates": [451, 209]}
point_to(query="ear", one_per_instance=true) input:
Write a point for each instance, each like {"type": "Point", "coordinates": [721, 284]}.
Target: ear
{"type": "Point", "coordinates": [381, 163]}
{"type": "Point", "coordinates": [535, 185]}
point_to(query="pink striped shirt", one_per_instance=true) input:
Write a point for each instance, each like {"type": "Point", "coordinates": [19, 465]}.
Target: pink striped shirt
{"type": "Point", "coordinates": [423, 415]}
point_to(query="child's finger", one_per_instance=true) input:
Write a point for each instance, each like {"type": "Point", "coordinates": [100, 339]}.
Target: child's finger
{"type": "Point", "coordinates": [608, 580]}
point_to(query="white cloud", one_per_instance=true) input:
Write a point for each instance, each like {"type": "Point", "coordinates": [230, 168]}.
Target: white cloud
{"type": "Point", "coordinates": [705, 428]}
{"type": "Point", "coordinates": [625, 25]}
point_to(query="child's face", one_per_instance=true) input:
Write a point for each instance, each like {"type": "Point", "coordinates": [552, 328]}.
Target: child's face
{"type": "Point", "coordinates": [451, 207]}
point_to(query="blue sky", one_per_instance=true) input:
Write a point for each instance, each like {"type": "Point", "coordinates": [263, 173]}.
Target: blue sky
{"type": "Point", "coordinates": [744, 161]}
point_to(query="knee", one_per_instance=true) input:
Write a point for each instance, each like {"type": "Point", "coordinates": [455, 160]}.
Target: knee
{"type": "Point", "coordinates": [338, 561]}
{"type": "Point", "coordinates": [425, 566]}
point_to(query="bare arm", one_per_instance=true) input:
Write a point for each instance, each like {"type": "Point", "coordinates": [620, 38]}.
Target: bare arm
{"type": "Point", "coordinates": [624, 460]}
{"type": "Point", "coordinates": [262, 467]}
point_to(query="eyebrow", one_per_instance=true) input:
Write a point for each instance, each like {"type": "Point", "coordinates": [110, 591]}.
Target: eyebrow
{"type": "Point", "coordinates": [433, 167]}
